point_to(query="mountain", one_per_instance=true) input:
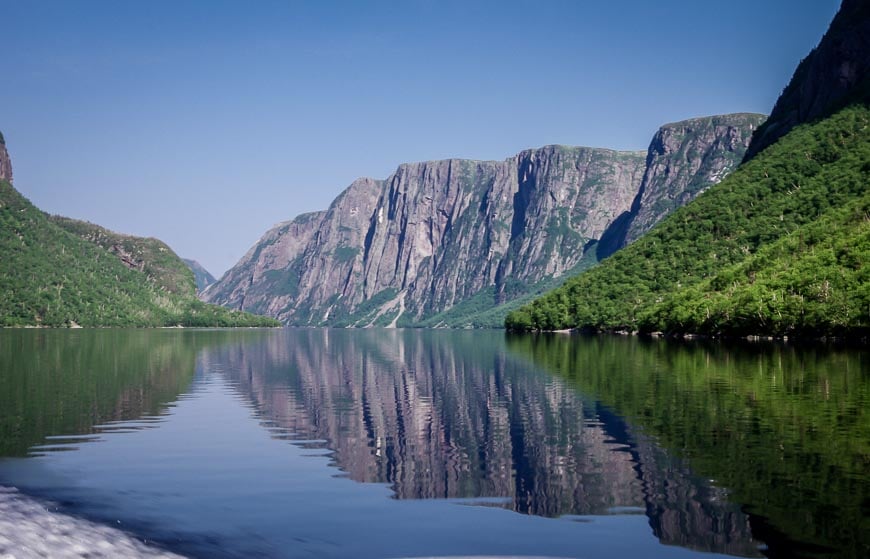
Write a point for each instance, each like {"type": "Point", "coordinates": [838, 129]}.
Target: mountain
{"type": "Point", "coordinates": [833, 75]}
{"type": "Point", "coordinates": [684, 158]}
{"type": "Point", "coordinates": [433, 234]}
{"type": "Point", "coordinates": [438, 243]}
{"type": "Point", "coordinates": [61, 272]}
{"type": "Point", "coordinates": [201, 276]}
{"type": "Point", "coordinates": [777, 248]}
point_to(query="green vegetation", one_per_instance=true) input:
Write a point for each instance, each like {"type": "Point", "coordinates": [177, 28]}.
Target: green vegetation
{"type": "Point", "coordinates": [345, 253]}
{"type": "Point", "coordinates": [58, 272]}
{"type": "Point", "coordinates": [774, 249]}
{"type": "Point", "coordinates": [367, 311]}
{"type": "Point", "coordinates": [151, 256]}
{"type": "Point", "coordinates": [483, 310]}
{"type": "Point", "coordinates": [811, 283]}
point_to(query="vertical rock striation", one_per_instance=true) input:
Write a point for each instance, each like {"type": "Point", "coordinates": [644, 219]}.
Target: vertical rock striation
{"type": "Point", "coordinates": [5, 162]}
{"type": "Point", "coordinates": [437, 234]}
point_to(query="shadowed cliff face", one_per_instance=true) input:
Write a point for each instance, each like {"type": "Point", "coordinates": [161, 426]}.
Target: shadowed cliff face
{"type": "Point", "coordinates": [5, 162]}
{"type": "Point", "coordinates": [439, 415]}
{"type": "Point", "coordinates": [440, 233]}
{"type": "Point", "coordinates": [833, 75]}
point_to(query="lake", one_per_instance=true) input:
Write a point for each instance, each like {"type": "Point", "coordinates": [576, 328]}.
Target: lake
{"type": "Point", "coordinates": [413, 443]}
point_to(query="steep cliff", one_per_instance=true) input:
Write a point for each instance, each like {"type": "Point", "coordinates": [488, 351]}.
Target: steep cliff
{"type": "Point", "coordinates": [5, 162]}
{"type": "Point", "coordinates": [832, 76]}
{"type": "Point", "coordinates": [439, 234]}
{"type": "Point", "coordinates": [683, 160]}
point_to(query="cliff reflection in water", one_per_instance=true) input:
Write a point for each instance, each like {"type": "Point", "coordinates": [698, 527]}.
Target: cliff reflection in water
{"type": "Point", "coordinates": [451, 415]}
{"type": "Point", "coordinates": [785, 428]}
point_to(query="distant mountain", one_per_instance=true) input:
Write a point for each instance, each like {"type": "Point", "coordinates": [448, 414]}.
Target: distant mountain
{"type": "Point", "coordinates": [62, 272]}
{"type": "Point", "coordinates": [778, 248]}
{"type": "Point", "coordinates": [443, 243]}
{"type": "Point", "coordinates": [201, 276]}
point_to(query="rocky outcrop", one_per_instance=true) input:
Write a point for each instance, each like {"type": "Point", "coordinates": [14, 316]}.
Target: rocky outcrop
{"type": "Point", "coordinates": [437, 234]}
{"type": "Point", "coordinates": [833, 75]}
{"type": "Point", "coordinates": [5, 162]}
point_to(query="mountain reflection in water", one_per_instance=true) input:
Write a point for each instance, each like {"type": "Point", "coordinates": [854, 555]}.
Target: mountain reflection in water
{"type": "Point", "coordinates": [451, 415]}
{"type": "Point", "coordinates": [244, 442]}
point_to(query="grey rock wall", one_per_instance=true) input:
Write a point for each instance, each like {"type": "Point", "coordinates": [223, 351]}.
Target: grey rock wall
{"type": "Point", "coordinates": [438, 233]}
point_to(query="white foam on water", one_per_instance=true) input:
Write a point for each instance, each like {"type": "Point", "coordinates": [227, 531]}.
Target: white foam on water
{"type": "Point", "coordinates": [29, 529]}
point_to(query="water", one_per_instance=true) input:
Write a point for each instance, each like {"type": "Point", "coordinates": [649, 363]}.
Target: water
{"type": "Point", "coordinates": [334, 443]}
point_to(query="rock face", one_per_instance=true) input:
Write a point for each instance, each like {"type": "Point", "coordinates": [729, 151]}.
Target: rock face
{"type": "Point", "coordinates": [684, 159]}
{"type": "Point", "coordinates": [440, 233]}
{"type": "Point", "coordinates": [833, 75]}
{"type": "Point", "coordinates": [5, 162]}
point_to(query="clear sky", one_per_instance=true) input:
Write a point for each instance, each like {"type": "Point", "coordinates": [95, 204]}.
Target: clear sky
{"type": "Point", "coordinates": [203, 123]}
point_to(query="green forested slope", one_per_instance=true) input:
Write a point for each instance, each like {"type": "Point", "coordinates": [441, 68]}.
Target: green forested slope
{"type": "Point", "coordinates": [51, 277]}
{"type": "Point", "coordinates": [813, 171]}
{"type": "Point", "coordinates": [812, 282]}
{"type": "Point", "coordinates": [150, 256]}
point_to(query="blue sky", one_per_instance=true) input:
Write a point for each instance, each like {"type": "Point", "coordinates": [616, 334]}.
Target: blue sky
{"type": "Point", "coordinates": [203, 123]}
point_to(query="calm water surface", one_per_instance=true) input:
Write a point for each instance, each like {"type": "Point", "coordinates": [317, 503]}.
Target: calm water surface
{"type": "Point", "coordinates": [334, 443]}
